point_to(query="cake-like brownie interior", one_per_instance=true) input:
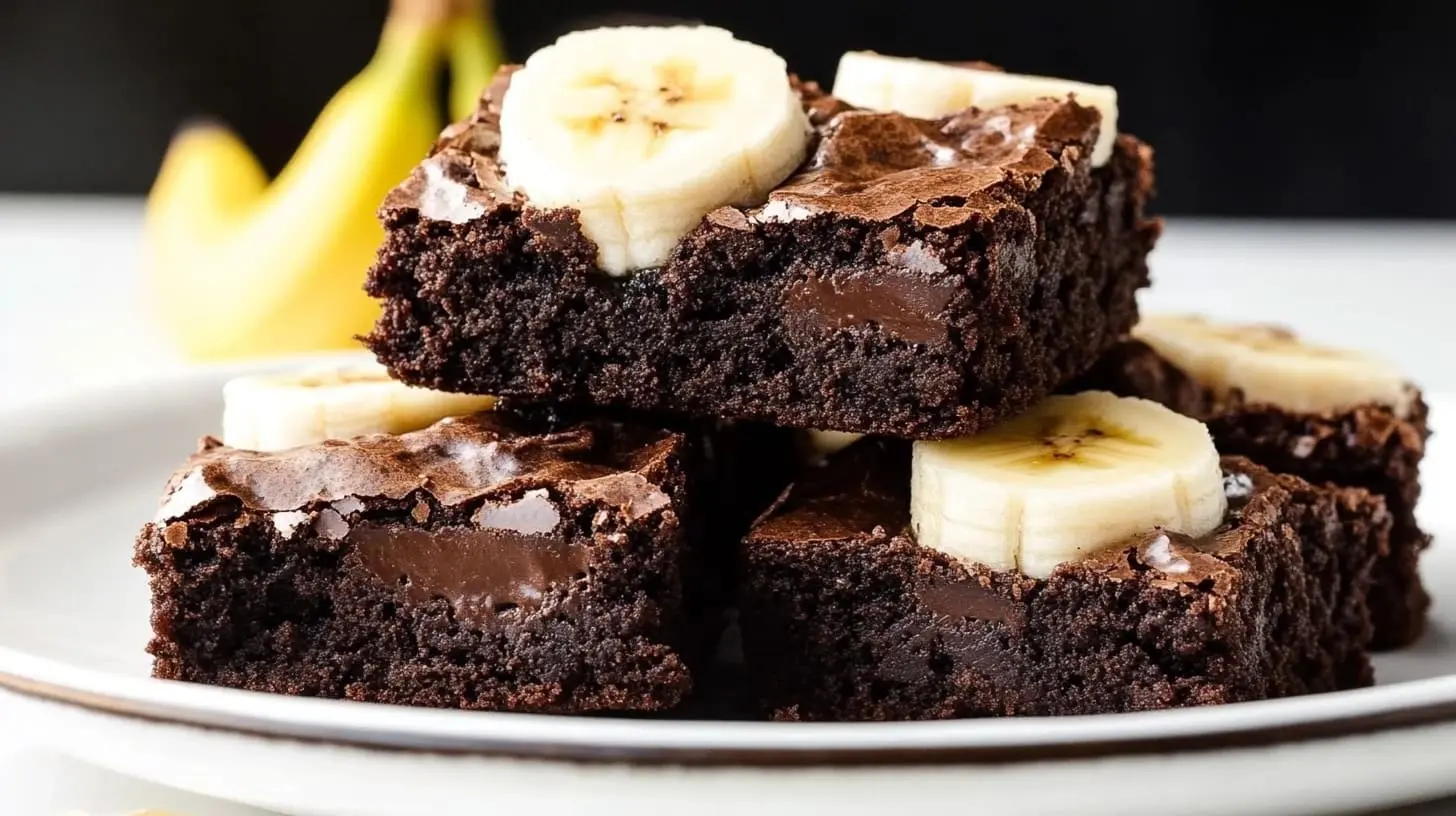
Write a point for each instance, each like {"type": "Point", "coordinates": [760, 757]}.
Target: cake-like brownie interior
{"type": "Point", "coordinates": [916, 278]}
{"type": "Point", "coordinates": [845, 617]}
{"type": "Point", "coordinates": [1369, 446]}
{"type": "Point", "coordinates": [488, 562]}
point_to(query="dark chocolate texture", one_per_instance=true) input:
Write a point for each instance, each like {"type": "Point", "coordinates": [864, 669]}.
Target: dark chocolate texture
{"type": "Point", "coordinates": [480, 572]}
{"type": "Point", "coordinates": [915, 278]}
{"type": "Point", "coordinates": [1368, 447]}
{"type": "Point", "coordinates": [845, 618]}
{"type": "Point", "coordinates": [491, 562]}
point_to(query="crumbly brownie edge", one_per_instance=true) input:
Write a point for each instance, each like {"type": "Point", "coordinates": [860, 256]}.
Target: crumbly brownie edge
{"type": "Point", "coordinates": [489, 307]}
{"type": "Point", "coordinates": [834, 630]}
{"type": "Point", "coordinates": [233, 605]}
{"type": "Point", "coordinates": [1343, 534]}
{"type": "Point", "coordinates": [1368, 447]}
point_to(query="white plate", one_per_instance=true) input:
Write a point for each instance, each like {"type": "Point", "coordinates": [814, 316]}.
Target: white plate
{"type": "Point", "coordinates": [78, 477]}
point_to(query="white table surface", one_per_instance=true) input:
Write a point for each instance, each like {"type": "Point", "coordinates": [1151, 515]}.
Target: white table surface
{"type": "Point", "coordinates": [73, 311]}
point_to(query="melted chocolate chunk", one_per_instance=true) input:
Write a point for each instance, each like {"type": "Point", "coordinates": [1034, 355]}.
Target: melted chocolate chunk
{"type": "Point", "coordinates": [482, 573]}
{"type": "Point", "coordinates": [968, 599]}
{"type": "Point", "coordinates": [904, 305]}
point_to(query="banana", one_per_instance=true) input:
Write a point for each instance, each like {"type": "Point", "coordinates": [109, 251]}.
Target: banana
{"type": "Point", "coordinates": [240, 267]}
{"type": "Point", "coordinates": [1075, 475]}
{"type": "Point", "coordinates": [644, 130]}
{"type": "Point", "coordinates": [930, 90]}
{"type": "Point", "coordinates": [267, 413]}
{"type": "Point", "coordinates": [1270, 365]}
{"type": "Point", "coordinates": [820, 445]}
{"type": "Point", "coordinates": [475, 52]}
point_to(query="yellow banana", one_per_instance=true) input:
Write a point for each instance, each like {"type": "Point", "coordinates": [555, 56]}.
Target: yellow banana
{"type": "Point", "coordinates": [241, 267]}
{"type": "Point", "coordinates": [475, 53]}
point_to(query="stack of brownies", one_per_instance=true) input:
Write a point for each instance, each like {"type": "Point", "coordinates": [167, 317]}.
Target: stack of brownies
{"type": "Point", "coordinates": [674, 343]}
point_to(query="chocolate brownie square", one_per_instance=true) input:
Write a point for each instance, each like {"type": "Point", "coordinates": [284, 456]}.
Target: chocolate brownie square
{"type": "Point", "coordinates": [845, 617]}
{"type": "Point", "coordinates": [1374, 446]}
{"type": "Point", "coordinates": [491, 562]}
{"type": "Point", "coordinates": [918, 278]}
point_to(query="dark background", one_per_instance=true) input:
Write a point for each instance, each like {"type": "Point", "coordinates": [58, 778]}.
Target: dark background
{"type": "Point", "coordinates": [1264, 109]}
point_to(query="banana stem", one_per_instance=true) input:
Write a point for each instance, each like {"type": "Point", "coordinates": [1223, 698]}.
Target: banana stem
{"type": "Point", "coordinates": [434, 12]}
{"type": "Point", "coordinates": [475, 53]}
{"type": "Point", "coordinates": [414, 33]}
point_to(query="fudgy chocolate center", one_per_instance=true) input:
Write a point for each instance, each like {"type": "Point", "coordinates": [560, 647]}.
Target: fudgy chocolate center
{"type": "Point", "coordinates": [481, 572]}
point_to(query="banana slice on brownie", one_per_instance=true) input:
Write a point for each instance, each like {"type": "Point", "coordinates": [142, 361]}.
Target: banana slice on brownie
{"type": "Point", "coordinates": [930, 90]}
{"type": "Point", "coordinates": [1073, 476]}
{"type": "Point", "coordinates": [644, 131]}
{"type": "Point", "coordinates": [1271, 365]}
{"type": "Point", "coordinates": [277, 412]}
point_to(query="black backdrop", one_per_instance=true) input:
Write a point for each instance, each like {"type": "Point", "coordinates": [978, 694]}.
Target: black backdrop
{"type": "Point", "coordinates": [1271, 108]}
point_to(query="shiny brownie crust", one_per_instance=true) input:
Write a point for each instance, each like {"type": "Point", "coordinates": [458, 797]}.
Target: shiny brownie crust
{"type": "Point", "coordinates": [845, 618]}
{"type": "Point", "coordinates": [908, 313]}
{"type": "Point", "coordinates": [375, 570]}
{"type": "Point", "coordinates": [1369, 447]}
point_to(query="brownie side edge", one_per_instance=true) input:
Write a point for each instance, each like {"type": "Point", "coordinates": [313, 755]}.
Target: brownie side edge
{"type": "Point", "coordinates": [504, 307]}
{"type": "Point", "coordinates": [843, 628]}
{"type": "Point", "coordinates": [1368, 448]}
{"type": "Point", "coordinates": [235, 604]}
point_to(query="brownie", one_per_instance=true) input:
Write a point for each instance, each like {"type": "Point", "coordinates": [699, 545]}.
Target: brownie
{"type": "Point", "coordinates": [493, 562]}
{"type": "Point", "coordinates": [1370, 446]}
{"type": "Point", "coordinates": [845, 617]}
{"type": "Point", "coordinates": [914, 278]}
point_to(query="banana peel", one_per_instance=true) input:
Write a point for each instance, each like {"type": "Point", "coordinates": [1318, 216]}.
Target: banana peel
{"type": "Point", "coordinates": [241, 267]}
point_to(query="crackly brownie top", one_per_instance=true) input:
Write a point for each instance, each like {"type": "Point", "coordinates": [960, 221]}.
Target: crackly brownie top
{"type": "Point", "coordinates": [864, 491]}
{"type": "Point", "coordinates": [483, 456]}
{"type": "Point", "coordinates": [489, 512]}
{"type": "Point", "coordinates": [865, 165]}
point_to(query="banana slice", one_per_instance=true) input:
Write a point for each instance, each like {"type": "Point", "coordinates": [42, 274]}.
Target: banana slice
{"type": "Point", "coordinates": [930, 90]}
{"type": "Point", "coordinates": [1272, 366]}
{"type": "Point", "coordinates": [1071, 477]}
{"type": "Point", "coordinates": [820, 445]}
{"type": "Point", "coordinates": [268, 413]}
{"type": "Point", "coordinates": [644, 130]}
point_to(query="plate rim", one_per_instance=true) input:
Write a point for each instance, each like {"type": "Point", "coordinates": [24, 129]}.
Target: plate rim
{"type": "Point", "coordinates": [1429, 701]}
{"type": "Point", "coordinates": [710, 743]}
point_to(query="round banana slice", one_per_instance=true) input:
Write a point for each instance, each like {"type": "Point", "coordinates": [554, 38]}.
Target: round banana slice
{"type": "Point", "coordinates": [1272, 366]}
{"type": "Point", "coordinates": [268, 413]}
{"type": "Point", "coordinates": [644, 130]}
{"type": "Point", "coordinates": [930, 90]}
{"type": "Point", "coordinates": [1071, 477]}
